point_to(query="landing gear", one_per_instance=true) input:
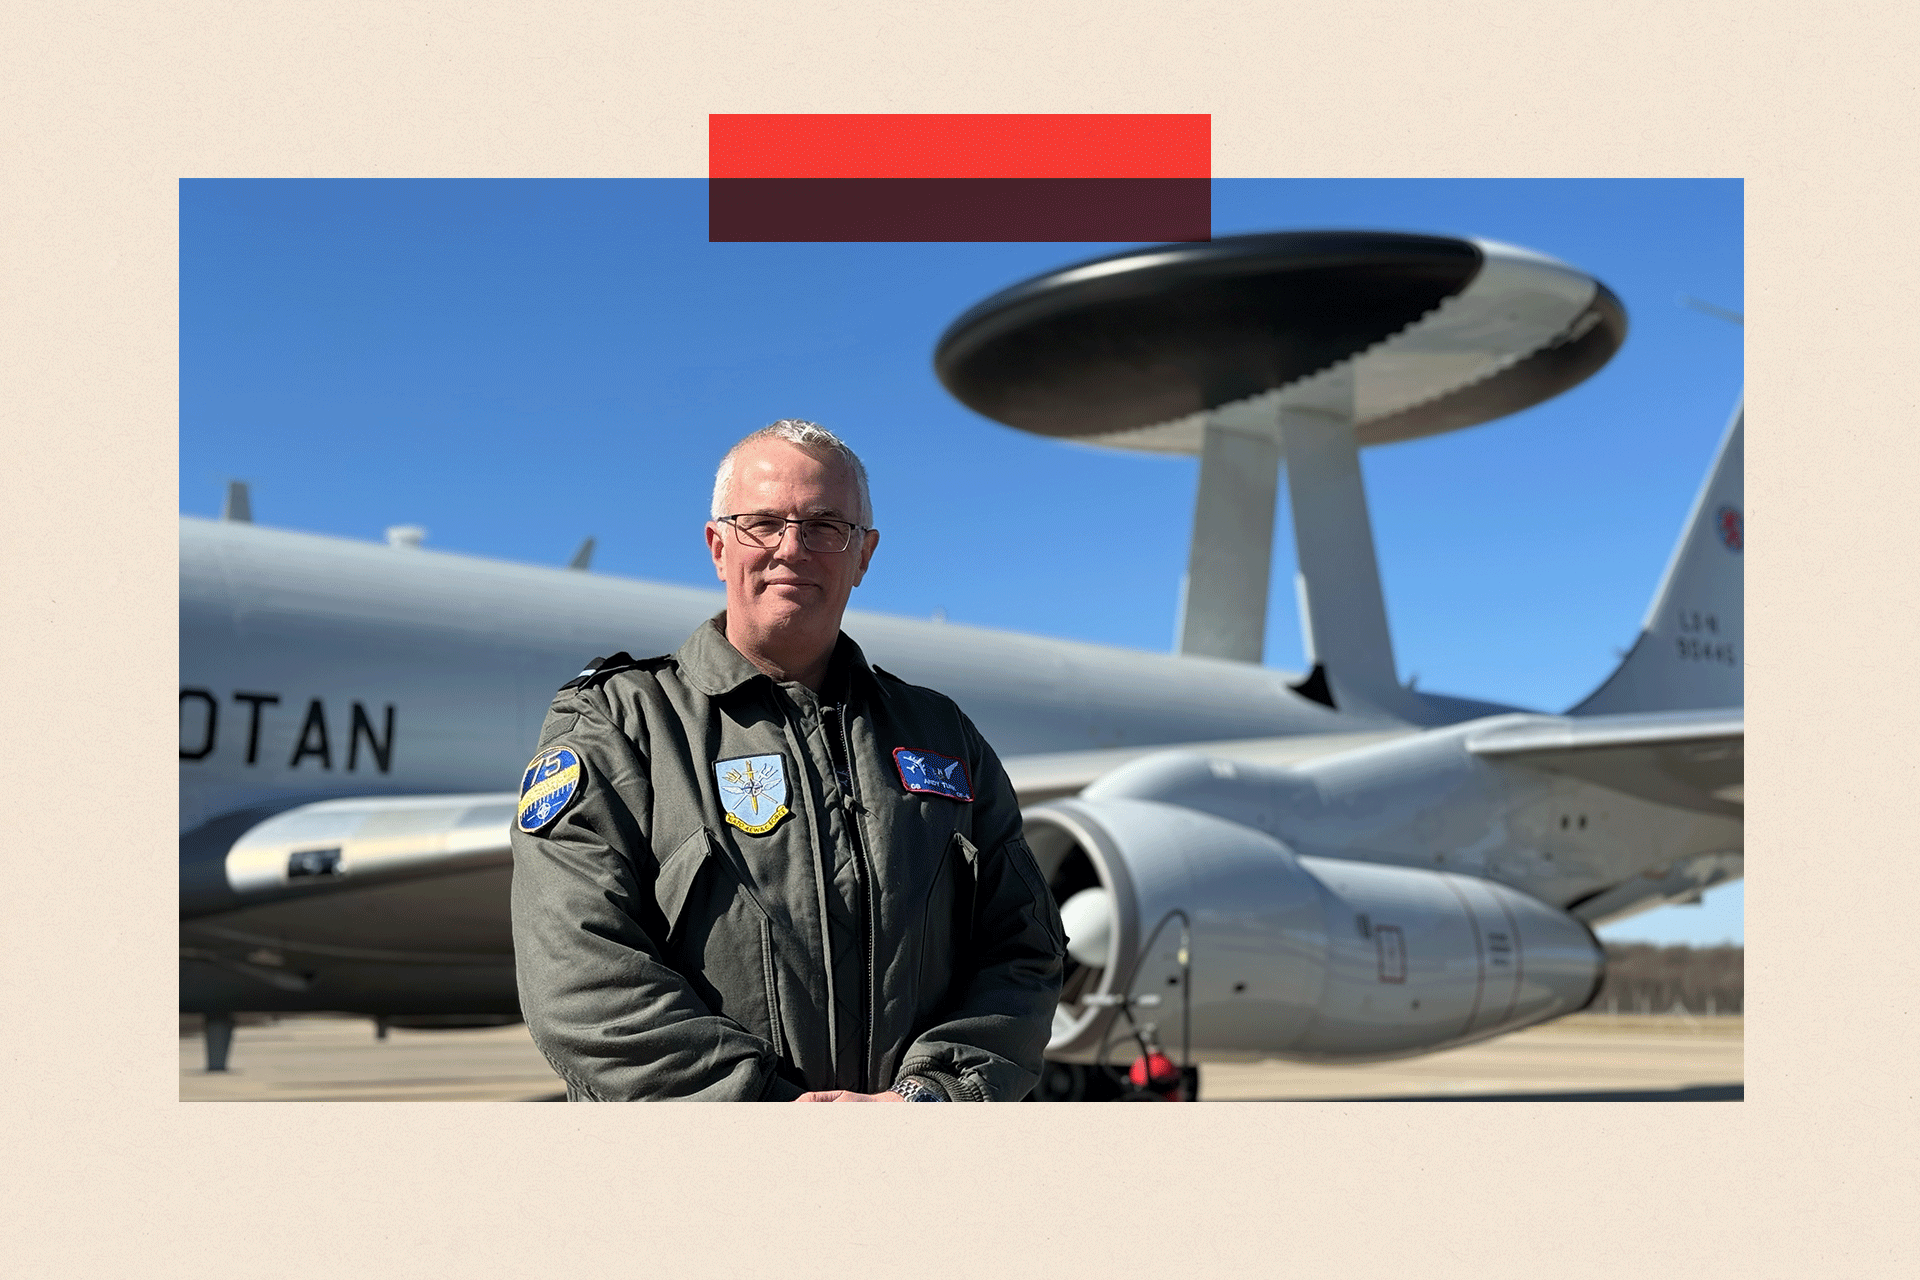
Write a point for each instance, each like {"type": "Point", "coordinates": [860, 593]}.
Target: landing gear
{"type": "Point", "coordinates": [219, 1036]}
{"type": "Point", "coordinates": [1077, 1082]}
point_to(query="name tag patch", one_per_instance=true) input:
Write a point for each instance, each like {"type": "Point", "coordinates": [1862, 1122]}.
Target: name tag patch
{"type": "Point", "coordinates": [931, 773]}
{"type": "Point", "coordinates": [548, 786]}
{"type": "Point", "coordinates": [753, 791]}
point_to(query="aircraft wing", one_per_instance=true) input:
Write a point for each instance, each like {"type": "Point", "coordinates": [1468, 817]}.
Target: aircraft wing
{"type": "Point", "coordinates": [1051, 775]}
{"type": "Point", "coordinates": [317, 868]}
{"type": "Point", "coordinates": [1688, 759]}
{"type": "Point", "coordinates": [332, 844]}
{"type": "Point", "coordinates": [369, 880]}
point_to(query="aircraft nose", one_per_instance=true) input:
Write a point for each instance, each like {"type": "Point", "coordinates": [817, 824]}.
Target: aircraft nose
{"type": "Point", "coordinates": [1088, 919]}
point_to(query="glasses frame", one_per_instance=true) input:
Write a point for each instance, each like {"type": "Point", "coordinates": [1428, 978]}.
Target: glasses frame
{"type": "Point", "coordinates": [741, 536]}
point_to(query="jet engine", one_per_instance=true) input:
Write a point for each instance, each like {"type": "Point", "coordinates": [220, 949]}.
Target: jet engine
{"type": "Point", "coordinates": [1318, 959]}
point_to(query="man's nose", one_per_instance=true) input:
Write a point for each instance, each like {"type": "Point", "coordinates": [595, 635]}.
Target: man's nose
{"type": "Point", "coordinates": [791, 531]}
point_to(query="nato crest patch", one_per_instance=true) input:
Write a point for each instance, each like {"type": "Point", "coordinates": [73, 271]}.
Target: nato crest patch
{"type": "Point", "coordinates": [932, 774]}
{"type": "Point", "coordinates": [548, 786]}
{"type": "Point", "coordinates": [753, 791]}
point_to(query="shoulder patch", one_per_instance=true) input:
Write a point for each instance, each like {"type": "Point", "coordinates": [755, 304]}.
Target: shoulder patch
{"type": "Point", "coordinates": [551, 783]}
{"type": "Point", "coordinates": [600, 668]}
{"type": "Point", "coordinates": [931, 773]}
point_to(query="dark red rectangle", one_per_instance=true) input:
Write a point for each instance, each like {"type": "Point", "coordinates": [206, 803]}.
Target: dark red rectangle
{"type": "Point", "coordinates": [964, 209]}
{"type": "Point", "coordinates": [959, 146]}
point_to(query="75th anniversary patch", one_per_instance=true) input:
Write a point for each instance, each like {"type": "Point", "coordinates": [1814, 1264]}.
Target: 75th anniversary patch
{"type": "Point", "coordinates": [549, 785]}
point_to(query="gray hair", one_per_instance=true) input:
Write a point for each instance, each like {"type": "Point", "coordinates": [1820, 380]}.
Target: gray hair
{"type": "Point", "coordinates": [810, 436]}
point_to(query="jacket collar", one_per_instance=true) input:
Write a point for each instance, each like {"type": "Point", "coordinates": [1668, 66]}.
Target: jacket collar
{"type": "Point", "coordinates": [711, 664]}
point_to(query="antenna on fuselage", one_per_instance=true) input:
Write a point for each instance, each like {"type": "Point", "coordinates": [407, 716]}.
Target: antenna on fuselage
{"type": "Point", "coordinates": [583, 557]}
{"type": "Point", "coordinates": [238, 506]}
{"type": "Point", "coordinates": [1296, 346]}
{"type": "Point", "coordinates": [1732, 317]}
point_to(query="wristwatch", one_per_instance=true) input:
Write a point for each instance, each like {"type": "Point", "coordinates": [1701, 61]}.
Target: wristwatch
{"type": "Point", "coordinates": [914, 1091]}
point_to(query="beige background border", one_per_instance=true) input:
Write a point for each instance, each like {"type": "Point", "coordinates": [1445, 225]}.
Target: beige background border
{"type": "Point", "coordinates": [107, 106]}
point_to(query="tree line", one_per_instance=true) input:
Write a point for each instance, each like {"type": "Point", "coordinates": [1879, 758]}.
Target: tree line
{"type": "Point", "coordinates": [1644, 978]}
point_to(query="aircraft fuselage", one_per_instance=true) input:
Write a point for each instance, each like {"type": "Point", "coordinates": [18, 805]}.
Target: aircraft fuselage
{"type": "Point", "coordinates": [316, 667]}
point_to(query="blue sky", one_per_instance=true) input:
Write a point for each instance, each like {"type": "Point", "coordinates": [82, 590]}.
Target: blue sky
{"type": "Point", "coordinates": [517, 365]}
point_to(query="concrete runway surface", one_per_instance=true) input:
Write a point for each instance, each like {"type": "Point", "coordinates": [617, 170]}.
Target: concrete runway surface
{"type": "Point", "coordinates": [1585, 1057]}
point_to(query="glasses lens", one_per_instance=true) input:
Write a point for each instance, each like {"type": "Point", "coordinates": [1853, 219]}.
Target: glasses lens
{"type": "Point", "coordinates": [761, 531]}
{"type": "Point", "coordinates": [825, 535]}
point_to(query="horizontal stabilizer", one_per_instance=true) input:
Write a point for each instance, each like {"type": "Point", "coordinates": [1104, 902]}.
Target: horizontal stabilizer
{"type": "Point", "coordinates": [1691, 760]}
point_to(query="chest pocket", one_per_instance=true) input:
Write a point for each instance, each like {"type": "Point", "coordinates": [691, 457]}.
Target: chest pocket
{"type": "Point", "coordinates": [719, 938]}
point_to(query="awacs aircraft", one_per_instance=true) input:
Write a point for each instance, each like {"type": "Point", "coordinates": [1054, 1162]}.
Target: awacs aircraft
{"type": "Point", "coordinates": [1333, 868]}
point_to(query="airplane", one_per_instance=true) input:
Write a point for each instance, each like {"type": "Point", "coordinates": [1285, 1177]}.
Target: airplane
{"type": "Point", "coordinates": [1356, 871]}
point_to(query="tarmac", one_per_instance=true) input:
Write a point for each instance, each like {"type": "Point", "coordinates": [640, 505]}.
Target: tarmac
{"type": "Point", "coordinates": [1580, 1058]}
{"type": "Point", "coordinates": [1585, 1057]}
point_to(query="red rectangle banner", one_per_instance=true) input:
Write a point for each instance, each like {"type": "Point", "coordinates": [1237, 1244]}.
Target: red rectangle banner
{"type": "Point", "coordinates": [959, 177]}
{"type": "Point", "coordinates": [959, 146]}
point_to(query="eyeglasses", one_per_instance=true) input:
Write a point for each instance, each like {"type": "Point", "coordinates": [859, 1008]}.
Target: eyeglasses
{"type": "Point", "coordinates": [823, 537]}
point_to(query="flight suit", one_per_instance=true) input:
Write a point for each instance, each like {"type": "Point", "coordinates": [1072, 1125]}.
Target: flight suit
{"type": "Point", "coordinates": [869, 913]}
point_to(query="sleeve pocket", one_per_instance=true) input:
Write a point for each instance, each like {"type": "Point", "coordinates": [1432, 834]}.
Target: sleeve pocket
{"type": "Point", "coordinates": [946, 930]}
{"type": "Point", "coordinates": [1043, 904]}
{"type": "Point", "coordinates": [965, 861]}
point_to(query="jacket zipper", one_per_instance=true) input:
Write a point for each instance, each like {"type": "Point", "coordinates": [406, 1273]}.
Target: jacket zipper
{"type": "Point", "coordinates": [863, 871]}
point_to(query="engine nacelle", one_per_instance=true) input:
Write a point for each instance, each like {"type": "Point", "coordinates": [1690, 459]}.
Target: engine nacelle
{"type": "Point", "coordinates": [1311, 958]}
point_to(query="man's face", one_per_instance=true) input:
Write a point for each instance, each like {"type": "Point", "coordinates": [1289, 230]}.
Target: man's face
{"type": "Point", "coordinates": [787, 591]}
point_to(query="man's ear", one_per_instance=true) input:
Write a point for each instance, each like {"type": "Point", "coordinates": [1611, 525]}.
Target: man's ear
{"type": "Point", "coordinates": [867, 544]}
{"type": "Point", "coordinates": [717, 546]}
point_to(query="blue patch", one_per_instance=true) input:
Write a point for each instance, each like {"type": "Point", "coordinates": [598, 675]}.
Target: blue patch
{"type": "Point", "coordinates": [550, 784]}
{"type": "Point", "coordinates": [932, 774]}
{"type": "Point", "coordinates": [753, 791]}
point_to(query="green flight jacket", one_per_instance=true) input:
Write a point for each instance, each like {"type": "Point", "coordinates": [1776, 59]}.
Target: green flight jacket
{"type": "Point", "coordinates": [872, 932]}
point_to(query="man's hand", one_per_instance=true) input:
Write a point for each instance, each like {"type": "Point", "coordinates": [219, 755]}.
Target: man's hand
{"type": "Point", "coordinates": [848, 1095]}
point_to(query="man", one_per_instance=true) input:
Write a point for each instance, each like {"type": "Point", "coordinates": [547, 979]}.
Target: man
{"type": "Point", "coordinates": [762, 869]}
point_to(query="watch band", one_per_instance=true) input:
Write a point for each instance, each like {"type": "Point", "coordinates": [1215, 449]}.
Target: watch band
{"type": "Point", "coordinates": [914, 1091]}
